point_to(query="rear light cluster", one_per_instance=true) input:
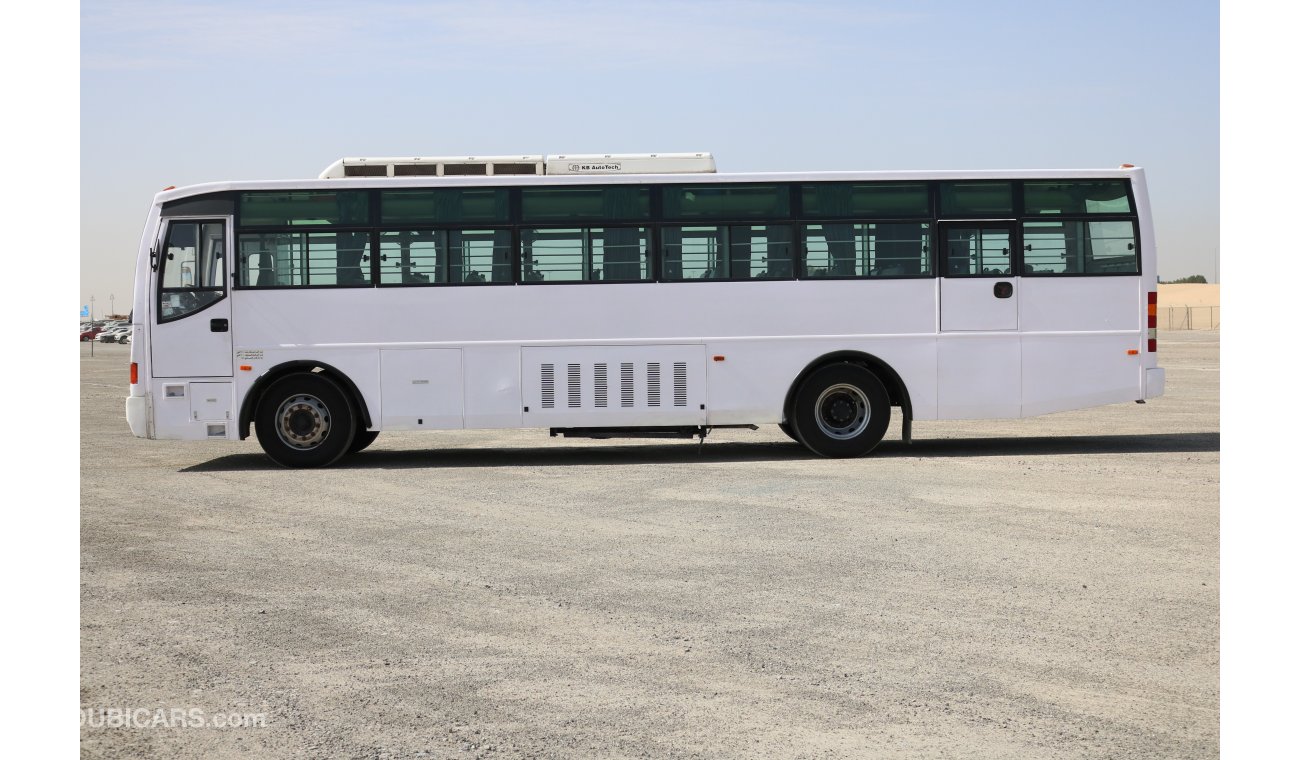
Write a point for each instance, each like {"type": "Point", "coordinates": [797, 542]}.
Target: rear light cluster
{"type": "Point", "coordinates": [1151, 322]}
{"type": "Point", "coordinates": [135, 373]}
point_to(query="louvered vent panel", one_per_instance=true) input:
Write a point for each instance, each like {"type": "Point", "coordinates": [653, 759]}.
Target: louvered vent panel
{"type": "Point", "coordinates": [612, 386]}
{"type": "Point", "coordinates": [575, 386]}
{"type": "Point", "coordinates": [548, 386]}
{"type": "Point", "coordinates": [652, 383]}
{"type": "Point", "coordinates": [602, 385]}
{"type": "Point", "coordinates": [627, 389]}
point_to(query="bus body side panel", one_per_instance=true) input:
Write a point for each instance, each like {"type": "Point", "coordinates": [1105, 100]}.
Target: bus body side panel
{"type": "Point", "coordinates": [768, 331]}
{"type": "Point", "coordinates": [978, 375]}
{"type": "Point", "coordinates": [1076, 336]}
{"type": "Point", "coordinates": [749, 385]}
{"type": "Point", "coordinates": [492, 387]}
{"type": "Point", "coordinates": [892, 320]}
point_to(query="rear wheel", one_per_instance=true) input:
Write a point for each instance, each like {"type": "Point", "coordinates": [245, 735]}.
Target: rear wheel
{"type": "Point", "coordinates": [841, 410]}
{"type": "Point", "coordinates": [305, 420]}
{"type": "Point", "coordinates": [788, 429]}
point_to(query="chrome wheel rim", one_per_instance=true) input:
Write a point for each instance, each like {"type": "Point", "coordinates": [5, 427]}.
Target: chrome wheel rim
{"type": "Point", "coordinates": [303, 421]}
{"type": "Point", "coordinates": [842, 412]}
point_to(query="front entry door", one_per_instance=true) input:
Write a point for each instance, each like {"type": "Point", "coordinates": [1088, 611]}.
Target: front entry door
{"type": "Point", "coordinates": [190, 324]}
{"type": "Point", "coordinates": [977, 291]}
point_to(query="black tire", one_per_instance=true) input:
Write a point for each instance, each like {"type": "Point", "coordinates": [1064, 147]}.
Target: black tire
{"type": "Point", "coordinates": [841, 410]}
{"type": "Point", "coordinates": [305, 420]}
{"type": "Point", "coordinates": [362, 439]}
{"type": "Point", "coordinates": [788, 429]}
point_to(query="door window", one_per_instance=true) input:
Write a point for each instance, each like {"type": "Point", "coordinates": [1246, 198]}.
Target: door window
{"type": "Point", "coordinates": [191, 269]}
{"type": "Point", "coordinates": [977, 251]}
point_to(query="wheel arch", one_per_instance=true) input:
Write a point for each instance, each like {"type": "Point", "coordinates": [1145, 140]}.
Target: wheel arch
{"type": "Point", "coordinates": [894, 385]}
{"type": "Point", "coordinates": [254, 395]}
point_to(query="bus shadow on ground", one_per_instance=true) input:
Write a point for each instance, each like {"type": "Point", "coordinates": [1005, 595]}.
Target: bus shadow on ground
{"type": "Point", "coordinates": [781, 451]}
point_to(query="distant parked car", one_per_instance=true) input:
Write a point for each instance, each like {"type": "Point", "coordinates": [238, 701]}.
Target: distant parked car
{"type": "Point", "coordinates": [114, 334]}
{"type": "Point", "coordinates": [91, 333]}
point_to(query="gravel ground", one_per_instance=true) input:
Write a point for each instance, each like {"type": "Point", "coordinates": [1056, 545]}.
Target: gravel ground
{"type": "Point", "coordinates": [1027, 588]}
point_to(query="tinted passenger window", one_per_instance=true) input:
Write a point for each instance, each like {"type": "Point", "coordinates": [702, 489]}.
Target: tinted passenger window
{"type": "Point", "coordinates": [304, 259]}
{"type": "Point", "coordinates": [565, 204]}
{"type": "Point", "coordinates": [726, 201]}
{"type": "Point", "coordinates": [589, 254]}
{"type": "Point", "coordinates": [867, 249]}
{"type": "Point", "coordinates": [458, 257]}
{"type": "Point", "coordinates": [974, 198]}
{"type": "Point", "coordinates": [748, 252]}
{"type": "Point", "coordinates": [866, 200]}
{"type": "Point", "coordinates": [1076, 197]}
{"type": "Point", "coordinates": [445, 206]}
{"type": "Point", "coordinates": [342, 207]}
{"type": "Point", "coordinates": [1080, 248]}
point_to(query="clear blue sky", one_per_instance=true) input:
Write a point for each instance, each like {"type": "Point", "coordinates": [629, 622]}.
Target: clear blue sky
{"type": "Point", "coordinates": [178, 93]}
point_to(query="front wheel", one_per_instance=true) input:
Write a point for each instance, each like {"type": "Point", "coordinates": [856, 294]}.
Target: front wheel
{"type": "Point", "coordinates": [841, 410]}
{"type": "Point", "coordinates": [305, 420]}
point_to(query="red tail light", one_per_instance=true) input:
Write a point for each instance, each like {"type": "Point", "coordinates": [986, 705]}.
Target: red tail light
{"type": "Point", "coordinates": [135, 373]}
{"type": "Point", "coordinates": [1151, 322]}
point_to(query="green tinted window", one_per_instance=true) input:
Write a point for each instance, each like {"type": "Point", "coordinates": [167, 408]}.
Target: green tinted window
{"type": "Point", "coordinates": [1077, 197]}
{"type": "Point", "coordinates": [459, 257]}
{"type": "Point", "coordinates": [735, 252]}
{"type": "Point", "coordinates": [878, 199]}
{"type": "Point", "coordinates": [413, 257]}
{"type": "Point", "coordinates": [445, 206]}
{"type": "Point", "coordinates": [958, 199]}
{"type": "Point", "coordinates": [478, 256]}
{"type": "Point", "coordinates": [1080, 248]}
{"type": "Point", "coordinates": [562, 204]}
{"type": "Point", "coordinates": [587, 254]}
{"type": "Point", "coordinates": [867, 250]}
{"type": "Point", "coordinates": [726, 201]}
{"type": "Point", "coordinates": [303, 259]}
{"type": "Point", "coordinates": [344, 207]}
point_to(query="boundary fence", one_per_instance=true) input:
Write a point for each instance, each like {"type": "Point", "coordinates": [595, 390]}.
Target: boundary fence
{"type": "Point", "coordinates": [1189, 317]}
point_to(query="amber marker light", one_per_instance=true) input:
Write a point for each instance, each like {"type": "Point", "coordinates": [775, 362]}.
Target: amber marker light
{"type": "Point", "coordinates": [719, 358]}
{"type": "Point", "coordinates": [249, 367]}
{"type": "Point", "coordinates": [1132, 352]}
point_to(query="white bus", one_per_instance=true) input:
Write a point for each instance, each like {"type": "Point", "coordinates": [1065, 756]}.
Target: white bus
{"type": "Point", "coordinates": [642, 295]}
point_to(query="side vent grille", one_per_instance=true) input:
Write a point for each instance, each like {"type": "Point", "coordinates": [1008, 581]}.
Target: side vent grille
{"type": "Point", "coordinates": [652, 384]}
{"type": "Point", "coordinates": [602, 385]}
{"type": "Point", "coordinates": [613, 385]}
{"type": "Point", "coordinates": [575, 385]}
{"type": "Point", "coordinates": [625, 368]}
{"type": "Point", "coordinates": [548, 386]}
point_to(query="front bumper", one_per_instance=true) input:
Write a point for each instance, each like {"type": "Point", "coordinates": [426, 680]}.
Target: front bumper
{"type": "Point", "coordinates": [137, 415]}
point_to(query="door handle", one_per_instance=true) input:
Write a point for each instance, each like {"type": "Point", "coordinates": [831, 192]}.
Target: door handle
{"type": "Point", "coordinates": [1002, 289]}
{"type": "Point", "coordinates": [220, 325]}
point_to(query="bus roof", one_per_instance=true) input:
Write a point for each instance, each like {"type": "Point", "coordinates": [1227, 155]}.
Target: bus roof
{"type": "Point", "coordinates": [517, 180]}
